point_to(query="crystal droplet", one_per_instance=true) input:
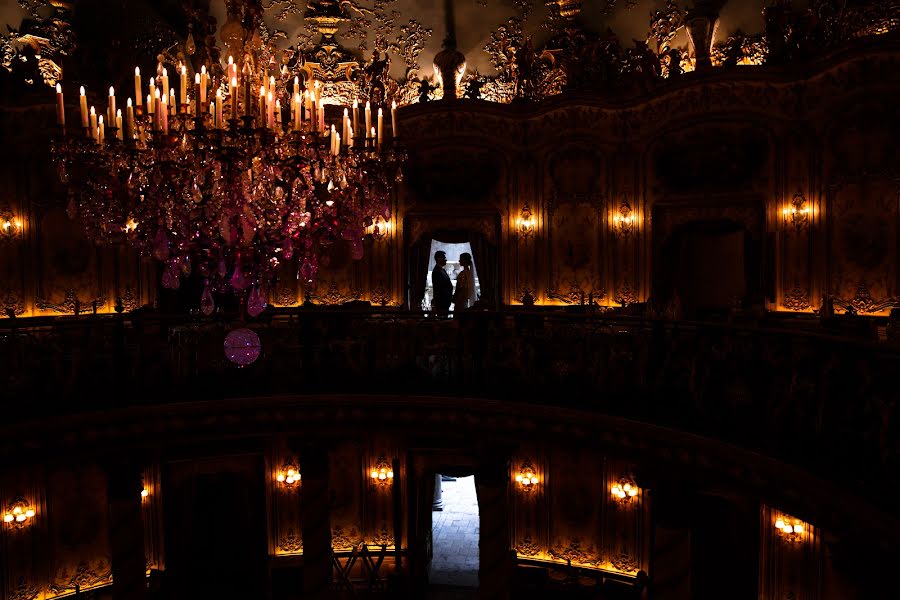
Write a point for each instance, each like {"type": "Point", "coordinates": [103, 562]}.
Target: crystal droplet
{"type": "Point", "coordinates": [161, 245]}
{"type": "Point", "coordinates": [189, 46]}
{"type": "Point", "coordinates": [170, 279]}
{"type": "Point", "coordinates": [207, 304]}
{"type": "Point", "coordinates": [256, 304]}
{"type": "Point", "coordinates": [238, 281]}
{"type": "Point", "coordinates": [399, 177]}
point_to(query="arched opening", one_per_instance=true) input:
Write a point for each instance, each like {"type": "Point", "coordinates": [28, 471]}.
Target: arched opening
{"type": "Point", "coordinates": [455, 528]}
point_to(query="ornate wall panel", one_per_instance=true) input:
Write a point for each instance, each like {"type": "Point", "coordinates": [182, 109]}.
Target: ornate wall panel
{"type": "Point", "coordinates": [285, 524]}
{"type": "Point", "coordinates": [345, 488]}
{"type": "Point", "coordinates": [789, 568]}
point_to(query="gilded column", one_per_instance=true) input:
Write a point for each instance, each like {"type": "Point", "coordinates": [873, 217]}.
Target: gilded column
{"type": "Point", "coordinates": [314, 516]}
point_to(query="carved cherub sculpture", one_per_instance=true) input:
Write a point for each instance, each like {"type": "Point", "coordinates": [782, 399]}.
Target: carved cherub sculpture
{"type": "Point", "coordinates": [473, 87]}
{"type": "Point", "coordinates": [425, 89]}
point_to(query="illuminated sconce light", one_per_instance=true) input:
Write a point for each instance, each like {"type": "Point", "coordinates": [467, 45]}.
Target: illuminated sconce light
{"type": "Point", "coordinates": [11, 226]}
{"type": "Point", "coordinates": [382, 474]}
{"type": "Point", "coordinates": [288, 475]}
{"type": "Point", "coordinates": [380, 228]}
{"type": "Point", "coordinates": [19, 513]}
{"type": "Point", "coordinates": [624, 491]}
{"type": "Point", "coordinates": [623, 220]}
{"type": "Point", "coordinates": [131, 225]}
{"type": "Point", "coordinates": [525, 223]}
{"type": "Point", "coordinates": [789, 529]}
{"type": "Point", "coordinates": [796, 214]}
{"type": "Point", "coordinates": [144, 493]}
{"type": "Point", "coordinates": [526, 477]}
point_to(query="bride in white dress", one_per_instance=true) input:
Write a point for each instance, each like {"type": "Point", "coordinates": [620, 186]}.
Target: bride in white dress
{"type": "Point", "coordinates": [464, 297]}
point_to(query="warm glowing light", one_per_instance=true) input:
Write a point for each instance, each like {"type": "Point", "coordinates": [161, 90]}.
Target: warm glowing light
{"type": "Point", "coordinates": [145, 492]}
{"type": "Point", "coordinates": [288, 475]}
{"type": "Point", "coordinates": [623, 491]}
{"type": "Point", "coordinates": [382, 473]}
{"type": "Point", "coordinates": [18, 513]}
{"type": "Point", "coordinates": [526, 477]}
{"type": "Point", "coordinates": [789, 529]}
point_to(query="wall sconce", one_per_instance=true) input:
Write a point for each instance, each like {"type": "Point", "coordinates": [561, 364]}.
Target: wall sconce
{"type": "Point", "coordinates": [623, 220]}
{"type": "Point", "coordinates": [797, 213]}
{"type": "Point", "coordinates": [526, 477]}
{"type": "Point", "coordinates": [144, 493]}
{"type": "Point", "coordinates": [624, 491]}
{"type": "Point", "coordinates": [380, 228]}
{"type": "Point", "coordinates": [18, 513]}
{"type": "Point", "coordinates": [525, 223]}
{"type": "Point", "coordinates": [11, 226]}
{"type": "Point", "coordinates": [288, 475]}
{"type": "Point", "coordinates": [789, 529]}
{"type": "Point", "coordinates": [382, 474]}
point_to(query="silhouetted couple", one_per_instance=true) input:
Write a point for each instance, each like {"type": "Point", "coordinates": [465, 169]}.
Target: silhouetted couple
{"type": "Point", "coordinates": [464, 297]}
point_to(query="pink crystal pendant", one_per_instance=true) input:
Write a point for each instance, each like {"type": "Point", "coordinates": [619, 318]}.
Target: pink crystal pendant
{"type": "Point", "coordinates": [207, 304]}
{"type": "Point", "coordinates": [256, 304]}
{"type": "Point", "coordinates": [238, 281]}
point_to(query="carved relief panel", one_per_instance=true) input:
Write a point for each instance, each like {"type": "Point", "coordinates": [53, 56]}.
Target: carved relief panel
{"type": "Point", "coordinates": [345, 485]}
{"type": "Point", "coordinates": [575, 195]}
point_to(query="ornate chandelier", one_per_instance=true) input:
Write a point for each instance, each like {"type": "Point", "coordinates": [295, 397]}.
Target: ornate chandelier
{"type": "Point", "coordinates": [228, 169]}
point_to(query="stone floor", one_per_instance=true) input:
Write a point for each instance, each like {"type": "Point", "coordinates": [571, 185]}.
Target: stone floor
{"type": "Point", "coordinates": [455, 536]}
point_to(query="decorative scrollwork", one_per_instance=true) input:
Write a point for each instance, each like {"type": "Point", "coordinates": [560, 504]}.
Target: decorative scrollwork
{"type": "Point", "coordinates": [291, 543]}
{"type": "Point", "coordinates": [71, 304]}
{"type": "Point", "coordinates": [625, 563]}
{"type": "Point", "coordinates": [574, 296]}
{"type": "Point", "coordinates": [575, 553]}
{"type": "Point", "coordinates": [343, 540]}
{"type": "Point", "coordinates": [380, 295]}
{"type": "Point", "coordinates": [626, 295]}
{"type": "Point", "coordinates": [84, 577]}
{"type": "Point", "coordinates": [528, 547]}
{"type": "Point", "coordinates": [383, 537]}
{"type": "Point", "coordinates": [23, 591]}
{"type": "Point", "coordinates": [334, 297]}
{"type": "Point", "coordinates": [11, 303]}
{"type": "Point", "coordinates": [797, 298]}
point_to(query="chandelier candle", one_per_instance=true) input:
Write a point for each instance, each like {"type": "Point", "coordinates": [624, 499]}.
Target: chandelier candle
{"type": "Point", "coordinates": [120, 135]}
{"type": "Point", "coordinates": [82, 101]}
{"type": "Point", "coordinates": [93, 124]}
{"type": "Point", "coordinates": [394, 119]}
{"type": "Point", "coordinates": [129, 119]}
{"type": "Point", "coordinates": [346, 127]}
{"type": "Point", "coordinates": [152, 102]}
{"type": "Point", "coordinates": [184, 87]}
{"type": "Point", "coordinates": [234, 97]}
{"type": "Point", "coordinates": [298, 108]}
{"type": "Point", "coordinates": [322, 115]}
{"type": "Point", "coordinates": [60, 107]}
{"type": "Point", "coordinates": [246, 73]}
{"type": "Point", "coordinates": [137, 85]}
{"type": "Point", "coordinates": [356, 115]}
{"type": "Point", "coordinates": [380, 127]}
{"type": "Point", "coordinates": [165, 82]}
{"type": "Point", "coordinates": [111, 112]}
{"type": "Point", "coordinates": [100, 130]}
{"type": "Point", "coordinates": [368, 118]}
{"type": "Point", "coordinates": [219, 109]}
{"type": "Point", "coordinates": [203, 81]}
{"type": "Point", "coordinates": [164, 114]}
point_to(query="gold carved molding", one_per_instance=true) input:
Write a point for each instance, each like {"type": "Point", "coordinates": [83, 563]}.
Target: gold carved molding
{"type": "Point", "coordinates": [797, 298]}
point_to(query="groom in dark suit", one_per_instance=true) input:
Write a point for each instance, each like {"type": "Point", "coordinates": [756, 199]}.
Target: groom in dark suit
{"type": "Point", "coordinates": [441, 284]}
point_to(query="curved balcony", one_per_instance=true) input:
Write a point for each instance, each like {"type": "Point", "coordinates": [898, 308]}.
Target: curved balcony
{"type": "Point", "coordinates": [821, 401]}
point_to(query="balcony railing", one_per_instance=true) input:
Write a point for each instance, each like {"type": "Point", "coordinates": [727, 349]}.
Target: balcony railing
{"type": "Point", "coordinates": [814, 398]}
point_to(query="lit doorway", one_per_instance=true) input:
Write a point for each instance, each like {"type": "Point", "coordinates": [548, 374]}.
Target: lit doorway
{"type": "Point", "coordinates": [455, 534]}
{"type": "Point", "coordinates": [452, 251]}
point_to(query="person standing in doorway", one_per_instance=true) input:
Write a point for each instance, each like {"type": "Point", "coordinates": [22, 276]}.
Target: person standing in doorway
{"type": "Point", "coordinates": [441, 285]}
{"type": "Point", "coordinates": [465, 283]}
